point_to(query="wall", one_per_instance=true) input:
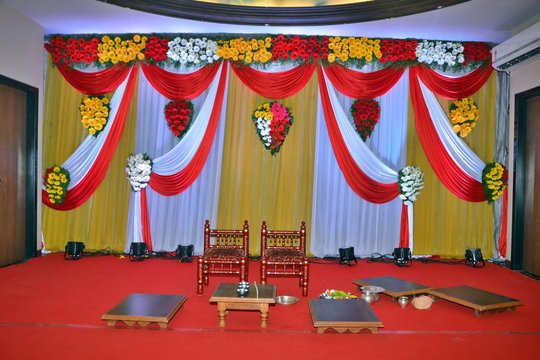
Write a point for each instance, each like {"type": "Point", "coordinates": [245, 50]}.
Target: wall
{"type": "Point", "coordinates": [21, 59]}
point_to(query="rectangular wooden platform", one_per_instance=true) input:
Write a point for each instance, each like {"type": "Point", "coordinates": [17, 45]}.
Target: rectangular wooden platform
{"type": "Point", "coordinates": [351, 315]}
{"type": "Point", "coordinates": [477, 299]}
{"type": "Point", "coordinates": [144, 309]}
{"type": "Point", "coordinates": [393, 286]}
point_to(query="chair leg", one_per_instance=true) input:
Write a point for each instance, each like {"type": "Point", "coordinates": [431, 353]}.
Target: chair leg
{"type": "Point", "coordinates": [263, 271]}
{"type": "Point", "coordinates": [305, 277]}
{"type": "Point", "coordinates": [200, 276]}
{"type": "Point", "coordinates": [243, 270]}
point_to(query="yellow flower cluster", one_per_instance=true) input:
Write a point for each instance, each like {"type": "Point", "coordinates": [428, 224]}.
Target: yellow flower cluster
{"type": "Point", "coordinates": [94, 113]}
{"type": "Point", "coordinates": [463, 114]}
{"type": "Point", "coordinates": [263, 111]}
{"type": "Point", "coordinates": [494, 180]}
{"type": "Point", "coordinates": [352, 48]}
{"type": "Point", "coordinates": [56, 183]}
{"type": "Point", "coordinates": [118, 50]}
{"type": "Point", "coordinates": [248, 51]}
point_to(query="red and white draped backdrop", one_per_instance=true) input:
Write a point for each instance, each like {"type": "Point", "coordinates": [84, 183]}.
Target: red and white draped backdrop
{"type": "Point", "coordinates": [178, 166]}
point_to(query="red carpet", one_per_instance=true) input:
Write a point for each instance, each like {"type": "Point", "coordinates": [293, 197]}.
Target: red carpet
{"type": "Point", "coordinates": [51, 309]}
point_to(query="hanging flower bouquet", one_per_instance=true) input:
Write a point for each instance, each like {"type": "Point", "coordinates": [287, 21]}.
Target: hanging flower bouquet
{"type": "Point", "coordinates": [463, 114]}
{"type": "Point", "coordinates": [494, 180]}
{"type": "Point", "coordinates": [366, 114]}
{"type": "Point", "coordinates": [94, 113]}
{"type": "Point", "coordinates": [272, 122]}
{"type": "Point", "coordinates": [179, 114]}
{"type": "Point", "coordinates": [139, 169]}
{"type": "Point", "coordinates": [56, 180]}
{"type": "Point", "coordinates": [410, 182]}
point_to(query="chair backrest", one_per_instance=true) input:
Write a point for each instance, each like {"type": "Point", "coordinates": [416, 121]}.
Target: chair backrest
{"type": "Point", "coordinates": [227, 238]}
{"type": "Point", "coordinates": [283, 239]}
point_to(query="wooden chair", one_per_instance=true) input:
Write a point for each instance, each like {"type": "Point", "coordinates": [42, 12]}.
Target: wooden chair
{"type": "Point", "coordinates": [225, 253]}
{"type": "Point", "coordinates": [283, 253]}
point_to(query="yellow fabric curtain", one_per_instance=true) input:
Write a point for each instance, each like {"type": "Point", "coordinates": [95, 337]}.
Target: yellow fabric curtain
{"type": "Point", "coordinates": [257, 186]}
{"type": "Point", "coordinates": [444, 224]}
{"type": "Point", "coordinates": [101, 222]}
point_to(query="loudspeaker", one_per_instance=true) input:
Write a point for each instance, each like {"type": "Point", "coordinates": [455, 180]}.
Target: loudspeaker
{"type": "Point", "coordinates": [137, 251]}
{"type": "Point", "coordinates": [402, 256]}
{"type": "Point", "coordinates": [185, 253]}
{"type": "Point", "coordinates": [74, 250]}
{"type": "Point", "coordinates": [346, 255]}
{"type": "Point", "coordinates": [474, 258]}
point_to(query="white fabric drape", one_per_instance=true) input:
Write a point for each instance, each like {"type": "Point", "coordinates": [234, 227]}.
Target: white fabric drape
{"type": "Point", "coordinates": [340, 217]}
{"type": "Point", "coordinates": [176, 220]}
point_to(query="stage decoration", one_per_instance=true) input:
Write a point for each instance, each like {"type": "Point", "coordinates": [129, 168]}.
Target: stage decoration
{"type": "Point", "coordinates": [56, 181]}
{"type": "Point", "coordinates": [398, 51]}
{"type": "Point", "coordinates": [297, 48]}
{"type": "Point", "coordinates": [179, 114]}
{"type": "Point", "coordinates": [73, 50]}
{"type": "Point", "coordinates": [336, 295]}
{"type": "Point", "coordinates": [139, 169]}
{"type": "Point", "coordinates": [446, 54]}
{"type": "Point", "coordinates": [494, 180]}
{"type": "Point", "coordinates": [192, 51]}
{"type": "Point", "coordinates": [156, 49]}
{"type": "Point", "coordinates": [411, 181]}
{"type": "Point", "coordinates": [463, 114]}
{"type": "Point", "coordinates": [246, 51]}
{"type": "Point", "coordinates": [358, 51]}
{"type": "Point", "coordinates": [366, 114]}
{"type": "Point", "coordinates": [121, 51]}
{"type": "Point", "coordinates": [272, 122]}
{"type": "Point", "coordinates": [94, 113]}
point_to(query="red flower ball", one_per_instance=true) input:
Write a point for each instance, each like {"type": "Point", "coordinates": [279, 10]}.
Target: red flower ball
{"type": "Point", "coordinates": [178, 114]}
{"type": "Point", "coordinates": [366, 114]}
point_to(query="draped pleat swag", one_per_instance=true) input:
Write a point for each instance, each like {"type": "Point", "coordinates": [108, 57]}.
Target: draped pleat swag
{"type": "Point", "coordinates": [324, 174]}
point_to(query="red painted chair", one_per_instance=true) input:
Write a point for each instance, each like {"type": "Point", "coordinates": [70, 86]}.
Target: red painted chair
{"type": "Point", "coordinates": [283, 253]}
{"type": "Point", "coordinates": [225, 253]}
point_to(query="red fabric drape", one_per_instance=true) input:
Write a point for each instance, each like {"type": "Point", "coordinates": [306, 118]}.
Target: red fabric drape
{"type": "Point", "coordinates": [180, 86]}
{"type": "Point", "coordinates": [359, 85]}
{"type": "Point", "coordinates": [170, 185]}
{"type": "Point", "coordinates": [365, 187]}
{"type": "Point", "coordinates": [504, 223]}
{"type": "Point", "coordinates": [404, 228]}
{"type": "Point", "coordinates": [454, 88]}
{"type": "Point", "coordinates": [275, 85]}
{"type": "Point", "coordinates": [86, 187]}
{"type": "Point", "coordinates": [448, 172]}
{"type": "Point", "coordinates": [95, 83]}
{"type": "Point", "coordinates": [145, 221]}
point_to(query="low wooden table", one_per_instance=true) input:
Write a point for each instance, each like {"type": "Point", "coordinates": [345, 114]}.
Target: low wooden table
{"type": "Point", "coordinates": [343, 315]}
{"type": "Point", "coordinates": [258, 298]}
{"type": "Point", "coordinates": [479, 300]}
{"type": "Point", "coordinates": [393, 286]}
{"type": "Point", "coordinates": [144, 309]}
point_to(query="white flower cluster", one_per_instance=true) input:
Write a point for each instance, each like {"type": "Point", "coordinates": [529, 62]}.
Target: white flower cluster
{"type": "Point", "coordinates": [263, 127]}
{"type": "Point", "coordinates": [440, 53]}
{"type": "Point", "coordinates": [139, 169]}
{"type": "Point", "coordinates": [411, 181]}
{"type": "Point", "coordinates": [193, 51]}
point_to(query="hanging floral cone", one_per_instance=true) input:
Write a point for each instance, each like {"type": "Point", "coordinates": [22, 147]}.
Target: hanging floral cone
{"type": "Point", "coordinates": [272, 122]}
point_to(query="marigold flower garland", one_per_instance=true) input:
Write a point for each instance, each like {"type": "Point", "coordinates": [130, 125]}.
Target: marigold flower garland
{"type": "Point", "coordinates": [463, 114]}
{"type": "Point", "coordinates": [494, 180]}
{"type": "Point", "coordinates": [272, 122]}
{"type": "Point", "coordinates": [366, 114]}
{"type": "Point", "coordinates": [138, 170]}
{"type": "Point", "coordinates": [56, 180]}
{"type": "Point", "coordinates": [410, 182]}
{"type": "Point", "coordinates": [125, 51]}
{"type": "Point", "coordinates": [179, 114]}
{"type": "Point", "coordinates": [94, 113]}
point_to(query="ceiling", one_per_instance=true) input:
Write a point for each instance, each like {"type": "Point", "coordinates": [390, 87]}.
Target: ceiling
{"type": "Point", "coordinates": [475, 20]}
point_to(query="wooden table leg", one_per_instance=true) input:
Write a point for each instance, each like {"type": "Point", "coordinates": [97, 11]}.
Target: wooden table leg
{"type": "Point", "coordinates": [222, 312]}
{"type": "Point", "coordinates": [264, 315]}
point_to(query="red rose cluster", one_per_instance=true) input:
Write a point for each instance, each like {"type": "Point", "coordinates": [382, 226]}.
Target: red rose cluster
{"type": "Point", "coordinates": [72, 51]}
{"type": "Point", "coordinates": [398, 50]}
{"type": "Point", "coordinates": [476, 52]}
{"type": "Point", "coordinates": [156, 49]}
{"type": "Point", "coordinates": [178, 114]}
{"type": "Point", "coordinates": [366, 114]}
{"type": "Point", "coordinates": [295, 48]}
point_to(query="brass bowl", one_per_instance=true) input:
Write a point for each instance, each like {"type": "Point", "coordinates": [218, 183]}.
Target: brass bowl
{"type": "Point", "coordinates": [286, 300]}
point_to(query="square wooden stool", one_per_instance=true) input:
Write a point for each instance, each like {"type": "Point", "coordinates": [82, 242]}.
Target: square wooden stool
{"type": "Point", "coordinates": [342, 315]}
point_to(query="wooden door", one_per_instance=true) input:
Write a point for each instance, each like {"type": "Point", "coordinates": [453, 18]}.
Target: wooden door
{"type": "Point", "coordinates": [17, 171]}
